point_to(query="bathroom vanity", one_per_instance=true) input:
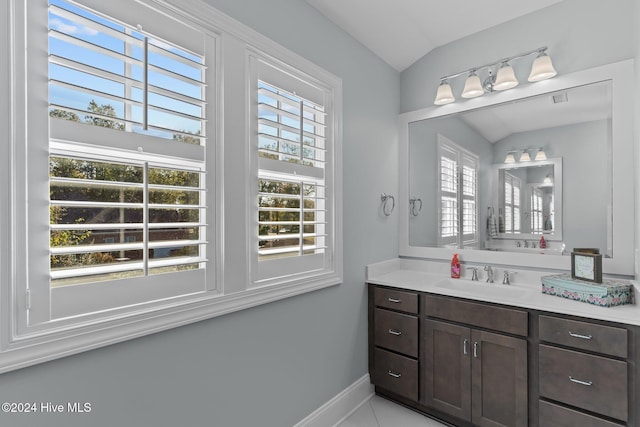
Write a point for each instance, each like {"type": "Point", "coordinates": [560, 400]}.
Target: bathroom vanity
{"type": "Point", "coordinates": [480, 354]}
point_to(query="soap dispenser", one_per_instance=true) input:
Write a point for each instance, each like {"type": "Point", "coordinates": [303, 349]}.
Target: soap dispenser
{"type": "Point", "coordinates": [455, 267]}
{"type": "Point", "coordinates": [543, 243]}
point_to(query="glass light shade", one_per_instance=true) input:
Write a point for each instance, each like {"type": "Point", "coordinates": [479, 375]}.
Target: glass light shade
{"type": "Point", "coordinates": [541, 155]}
{"type": "Point", "coordinates": [547, 180]}
{"type": "Point", "coordinates": [525, 157]}
{"type": "Point", "coordinates": [506, 78]}
{"type": "Point", "coordinates": [444, 95]}
{"type": "Point", "coordinates": [472, 86]}
{"type": "Point", "coordinates": [510, 158]}
{"type": "Point", "coordinates": [542, 68]}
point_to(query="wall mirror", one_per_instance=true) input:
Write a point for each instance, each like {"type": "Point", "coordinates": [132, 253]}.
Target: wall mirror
{"type": "Point", "coordinates": [455, 183]}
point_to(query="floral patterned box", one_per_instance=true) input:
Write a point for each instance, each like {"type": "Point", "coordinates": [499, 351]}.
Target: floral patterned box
{"type": "Point", "coordinates": [608, 294]}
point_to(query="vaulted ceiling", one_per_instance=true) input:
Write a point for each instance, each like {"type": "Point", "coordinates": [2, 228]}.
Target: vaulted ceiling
{"type": "Point", "coordinates": [402, 31]}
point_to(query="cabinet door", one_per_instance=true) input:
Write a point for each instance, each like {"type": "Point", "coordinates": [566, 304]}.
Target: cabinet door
{"type": "Point", "coordinates": [499, 380]}
{"type": "Point", "coordinates": [446, 376]}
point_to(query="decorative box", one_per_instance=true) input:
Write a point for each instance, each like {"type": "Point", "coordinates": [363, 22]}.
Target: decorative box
{"type": "Point", "coordinates": [609, 293]}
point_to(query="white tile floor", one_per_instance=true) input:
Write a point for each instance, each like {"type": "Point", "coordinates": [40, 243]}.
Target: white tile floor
{"type": "Point", "coordinates": [379, 412]}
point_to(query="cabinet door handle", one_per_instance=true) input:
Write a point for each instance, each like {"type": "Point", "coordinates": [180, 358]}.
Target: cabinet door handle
{"type": "Point", "coordinates": [396, 333]}
{"type": "Point", "coordinates": [395, 300]}
{"type": "Point", "coordinates": [394, 374]}
{"type": "Point", "coordinates": [475, 349]}
{"type": "Point", "coordinates": [465, 343]}
{"type": "Point", "coordinates": [584, 337]}
{"type": "Point", "coordinates": [573, 380]}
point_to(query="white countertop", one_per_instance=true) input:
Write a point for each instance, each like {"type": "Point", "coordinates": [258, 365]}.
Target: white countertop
{"type": "Point", "coordinates": [525, 290]}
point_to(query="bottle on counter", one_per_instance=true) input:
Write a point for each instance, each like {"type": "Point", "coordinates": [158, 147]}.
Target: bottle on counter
{"type": "Point", "coordinates": [455, 267]}
{"type": "Point", "coordinates": [543, 243]}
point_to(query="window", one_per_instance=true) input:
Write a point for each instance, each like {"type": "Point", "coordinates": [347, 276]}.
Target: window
{"type": "Point", "coordinates": [295, 152]}
{"type": "Point", "coordinates": [536, 210]}
{"type": "Point", "coordinates": [457, 182]}
{"type": "Point", "coordinates": [512, 186]}
{"type": "Point", "coordinates": [116, 228]}
{"type": "Point", "coordinates": [127, 162]}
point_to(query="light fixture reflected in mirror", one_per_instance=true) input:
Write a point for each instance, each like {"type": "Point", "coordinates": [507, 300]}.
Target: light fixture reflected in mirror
{"type": "Point", "coordinates": [510, 157]}
{"type": "Point", "coordinates": [540, 155]}
{"type": "Point", "coordinates": [548, 180]}
{"type": "Point", "coordinates": [541, 69]}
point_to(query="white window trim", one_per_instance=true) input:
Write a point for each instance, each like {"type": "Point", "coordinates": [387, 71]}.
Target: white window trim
{"type": "Point", "coordinates": [231, 290]}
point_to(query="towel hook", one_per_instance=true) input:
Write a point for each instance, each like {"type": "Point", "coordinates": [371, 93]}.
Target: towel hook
{"type": "Point", "coordinates": [385, 199]}
{"type": "Point", "coordinates": [412, 205]}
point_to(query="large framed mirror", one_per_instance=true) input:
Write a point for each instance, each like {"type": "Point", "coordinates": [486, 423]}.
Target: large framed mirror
{"type": "Point", "coordinates": [457, 194]}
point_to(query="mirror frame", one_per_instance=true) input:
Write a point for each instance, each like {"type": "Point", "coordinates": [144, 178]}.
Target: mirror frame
{"type": "Point", "coordinates": [623, 232]}
{"type": "Point", "coordinates": [556, 162]}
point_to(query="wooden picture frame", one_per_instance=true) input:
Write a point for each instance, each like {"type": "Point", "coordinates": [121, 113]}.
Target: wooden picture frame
{"type": "Point", "coordinates": [586, 266]}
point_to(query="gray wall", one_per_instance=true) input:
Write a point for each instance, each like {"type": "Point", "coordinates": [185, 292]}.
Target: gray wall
{"type": "Point", "coordinates": [274, 364]}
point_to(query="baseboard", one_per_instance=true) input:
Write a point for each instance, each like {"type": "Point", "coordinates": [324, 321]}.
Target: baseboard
{"type": "Point", "coordinates": [340, 406]}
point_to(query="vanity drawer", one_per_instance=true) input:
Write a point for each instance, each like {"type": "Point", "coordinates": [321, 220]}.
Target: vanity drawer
{"type": "Point", "coordinates": [551, 415]}
{"type": "Point", "coordinates": [502, 319]}
{"type": "Point", "coordinates": [396, 331]}
{"type": "Point", "coordinates": [396, 300]}
{"type": "Point", "coordinates": [590, 382]}
{"type": "Point", "coordinates": [583, 335]}
{"type": "Point", "coordinates": [396, 373]}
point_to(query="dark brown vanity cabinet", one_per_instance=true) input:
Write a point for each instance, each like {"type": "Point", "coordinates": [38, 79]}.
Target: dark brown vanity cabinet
{"type": "Point", "coordinates": [471, 363]}
{"type": "Point", "coordinates": [584, 367]}
{"type": "Point", "coordinates": [393, 355]}
{"type": "Point", "coordinates": [472, 374]}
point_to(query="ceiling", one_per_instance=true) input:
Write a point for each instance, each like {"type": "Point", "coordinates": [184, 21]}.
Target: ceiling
{"type": "Point", "coordinates": [577, 105]}
{"type": "Point", "coordinates": [402, 31]}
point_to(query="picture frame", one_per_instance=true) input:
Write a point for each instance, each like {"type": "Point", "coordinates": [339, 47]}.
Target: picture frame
{"type": "Point", "coordinates": [586, 266]}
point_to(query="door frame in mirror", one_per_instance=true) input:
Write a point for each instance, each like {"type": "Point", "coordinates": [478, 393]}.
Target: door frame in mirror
{"type": "Point", "coordinates": [622, 262]}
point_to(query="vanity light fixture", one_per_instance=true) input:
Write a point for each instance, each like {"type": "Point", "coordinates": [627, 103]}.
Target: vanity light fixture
{"type": "Point", "coordinates": [547, 180]}
{"type": "Point", "coordinates": [540, 155]}
{"type": "Point", "coordinates": [542, 68]}
{"type": "Point", "coordinates": [510, 158]}
{"type": "Point", "coordinates": [445, 94]}
{"type": "Point", "coordinates": [504, 79]}
{"type": "Point", "coordinates": [525, 157]}
{"type": "Point", "coordinates": [472, 86]}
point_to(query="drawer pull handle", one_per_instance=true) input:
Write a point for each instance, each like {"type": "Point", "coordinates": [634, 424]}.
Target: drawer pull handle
{"type": "Point", "coordinates": [475, 349]}
{"type": "Point", "coordinates": [394, 374]}
{"type": "Point", "coordinates": [465, 343]}
{"type": "Point", "coordinates": [395, 300]}
{"type": "Point", "coordinates": [573, 380]}
{"type": "Point", "coordinates": [584, 337]}
{"type": "Point", "coordinates": [396, 333]}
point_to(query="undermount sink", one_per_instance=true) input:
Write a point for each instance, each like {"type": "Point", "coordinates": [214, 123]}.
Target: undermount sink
{"type": "Point", "coordinates": [483, 288]}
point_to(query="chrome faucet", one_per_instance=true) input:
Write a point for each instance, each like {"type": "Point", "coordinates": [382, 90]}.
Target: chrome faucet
{"type": "Point", "coordinates": [489, 271]}
{"type": "Point", "coordinates": [474, 274]}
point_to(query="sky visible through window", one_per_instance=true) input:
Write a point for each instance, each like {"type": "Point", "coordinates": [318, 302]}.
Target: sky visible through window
{"type": "Point", "coordinates": [103, 61]}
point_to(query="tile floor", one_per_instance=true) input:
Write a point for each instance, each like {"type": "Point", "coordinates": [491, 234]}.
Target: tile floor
{"type": "Point", "coordinates": [379, 412]}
